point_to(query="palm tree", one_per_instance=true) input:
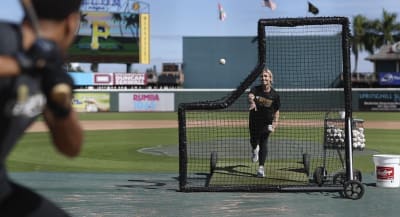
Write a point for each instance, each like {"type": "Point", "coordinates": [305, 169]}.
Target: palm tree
{"type": "Point", "coordinates": [370, 35]}
{"type": "Point", "coordinates": [382, 30]}
{"type": "Point", "coordinates": [83, 20]}
{"type": "Point", "coordinates": [357, 40]}
{"type": "Point", "coordinates": [116, 17]}
{"type": "Point", "coordinates": [132, 23]}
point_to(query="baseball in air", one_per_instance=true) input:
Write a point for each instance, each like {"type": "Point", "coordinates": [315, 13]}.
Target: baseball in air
{"type": "Point", "coordinates": [222, 61]}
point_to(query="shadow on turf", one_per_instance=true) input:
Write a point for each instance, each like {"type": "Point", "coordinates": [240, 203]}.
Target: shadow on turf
{"type": "Point", "coordinates": [149, 184]}
{"type": "Point", "coordinates": [167, 185]}
{"type": "Point", "coordinates": [233, 170]}
{"type": "Point", "coordinates": [296, 170]}
{"type": "Point", "coordinates": [370, 184]}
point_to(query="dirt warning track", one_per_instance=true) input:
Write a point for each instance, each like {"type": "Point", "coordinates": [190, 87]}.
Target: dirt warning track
{"type": "Point", "coordinates": [114, 125]}
{"type": "Point", "coordinates": [153, 124]}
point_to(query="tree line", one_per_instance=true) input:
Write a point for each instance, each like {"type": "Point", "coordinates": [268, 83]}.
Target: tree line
{"type": "Point", "coordinates": [371, 34]}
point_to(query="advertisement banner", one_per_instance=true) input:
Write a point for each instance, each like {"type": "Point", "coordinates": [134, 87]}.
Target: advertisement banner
{"type": "Point", "coordinates": [103, 79]}
{"type": "Point", "coordinates": [146, 102]}
{"type": "Point", "coordinates": [389, 78]}
{"type": "Point", "coordinates": [378, 101]}
{"type": "Point", "coordinates": [91, 102]}
{"type": "Point", "coordinates": [130, 79]}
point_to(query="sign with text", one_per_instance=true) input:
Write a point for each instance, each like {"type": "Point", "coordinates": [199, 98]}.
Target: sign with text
{"type": "Point", "coordinates": [379, 101]}
{"type": "Point", "coordinates": [115, 6]}
{"type": "Point", "coordinates": [389, 78]}
{"type": "Point", "coordinates": [146, 102]}
{"type": "Point", "coordinates": [130, 79]}
{"type": "Point", "coordinates": [103, 79]}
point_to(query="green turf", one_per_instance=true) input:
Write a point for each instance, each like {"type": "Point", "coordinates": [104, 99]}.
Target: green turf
{"type": "Point", "coordinates": [117, 150]}
{"type": "Point", "coordinates": [103, 151]}
{"type": "Point", "coordinates": [377, 116]}
{"type": "Point", "coordinates": [279, 173]}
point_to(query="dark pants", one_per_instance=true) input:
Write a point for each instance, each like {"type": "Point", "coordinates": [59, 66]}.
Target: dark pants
{"type": "Point", "coordinates": [23, 202]}
{"type": "Point", "coordinates": [259, 136]}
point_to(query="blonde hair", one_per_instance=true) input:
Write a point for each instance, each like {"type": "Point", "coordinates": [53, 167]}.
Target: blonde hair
{"type": "Point", "coordinates": [270, 74]}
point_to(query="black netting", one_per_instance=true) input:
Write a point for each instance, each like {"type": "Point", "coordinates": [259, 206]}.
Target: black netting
{"type": "Point", "coordinates": [309, 55]}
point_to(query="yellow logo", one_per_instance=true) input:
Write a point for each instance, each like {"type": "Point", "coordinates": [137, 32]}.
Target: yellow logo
{"type": "Point", "coordinates": [136, 6]}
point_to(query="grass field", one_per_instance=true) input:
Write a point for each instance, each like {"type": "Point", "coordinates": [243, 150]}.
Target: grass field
{"type": "Point", "coordinates": [117, 150]}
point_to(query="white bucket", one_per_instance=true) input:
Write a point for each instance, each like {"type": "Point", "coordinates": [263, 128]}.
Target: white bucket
{"type": "Point", "coordinates": [387, 170]}
{"type": "Point", "coordinates": [342, 114]}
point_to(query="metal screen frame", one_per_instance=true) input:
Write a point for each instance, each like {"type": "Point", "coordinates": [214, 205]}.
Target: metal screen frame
{"type": "Point", "coordinates": [234, 95]}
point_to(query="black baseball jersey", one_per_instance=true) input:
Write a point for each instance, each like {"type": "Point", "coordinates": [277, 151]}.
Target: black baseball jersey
{"type": "Point", "coordinates": [267, 104]}
{"type": "Point", "coordinates": [21, 101]}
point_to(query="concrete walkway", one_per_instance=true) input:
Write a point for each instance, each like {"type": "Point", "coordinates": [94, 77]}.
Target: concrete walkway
{"type": "Point", "coordinates": [126, 195]}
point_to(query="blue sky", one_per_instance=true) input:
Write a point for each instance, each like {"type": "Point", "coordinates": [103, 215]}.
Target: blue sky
{"type": "Point", "coordinates": [173, 19]}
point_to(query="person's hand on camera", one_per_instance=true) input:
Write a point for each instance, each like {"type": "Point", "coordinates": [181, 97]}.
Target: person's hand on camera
{"type": "Point", "coordinates": [57, 86]}
{"type": "Point", "coordinates": [45, 60]}
{"type": "Point", "coordinates": [43, 54]}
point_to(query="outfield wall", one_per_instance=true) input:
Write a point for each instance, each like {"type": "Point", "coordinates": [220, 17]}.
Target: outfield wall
{"type": "Point", "coordinates": [168, 100]}
{"type": "Point", "coordinates": [202, 69]}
